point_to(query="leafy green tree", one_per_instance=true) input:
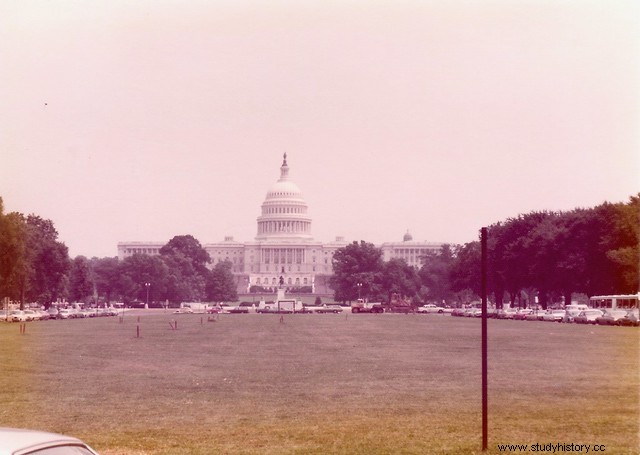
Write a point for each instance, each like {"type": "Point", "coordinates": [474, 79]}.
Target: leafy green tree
{"type": "Point", "coordinates": [398, 277]}
{"type": "Point", "coordinates": [14, 261]}
{"type": "Point", "coordinates": [353, 264]}
{"type": "Point", "coordinates": [81, 284]}
{"type": "Point", "coordinates": [49, 262]}
{"type": "Point", "coordinates": [620, 245]}
{"type": "Point", "coordinates": [435, 275]}
{"type": "Point", "coordinates": [510, 253]}
{"type": "Point", "coordinates": [567, 252]}
{"type": "Point", "coordinates": [188, 274]}
{"type": "Point", "coordinates": [190, 248]}
{"type": "Point", "coordinates": [137, 270]}
{"type": "Point", "coordinates": [106, 275]}
{"type": "Point", "coordinates": [221, 285]}
{"type": "Point", "coordinates": [465, 270]}
{"type": "Point", "coordinates": [183, 282]}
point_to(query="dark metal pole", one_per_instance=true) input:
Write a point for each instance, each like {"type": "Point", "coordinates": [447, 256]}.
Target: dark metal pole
{"type": "Point", "coordinates": [483, 242]}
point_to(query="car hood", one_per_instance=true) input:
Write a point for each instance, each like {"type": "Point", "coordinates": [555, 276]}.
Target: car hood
{"type": "Point", "coordinates": [14, 439]}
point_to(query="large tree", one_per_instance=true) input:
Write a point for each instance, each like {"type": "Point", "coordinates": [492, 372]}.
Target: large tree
{"type": "Point", "coordinates": [221, 284]}
{"type": "Point", "coordinates": [513, 255]}
{"type": "Point", "coordinates": [136, 271]}
{"type": "Point", "coordinates": [188, 274]}
{"type": "Point", "coordinates": [49, 261]}
{"type": "Point", "coordinates": [398, 277]}
{"type": "Point", "coordinates": [184, 282]}
{"type": "Point", "coordinates": [81, 285]}
{"type": "Point", "coordinates": [465, 270]}
{"type": "Point", "coordinates": [106, 278]}
{"type": "Point", "coordinates": [435, 275]}
{"type": "Point", "coordinates": [189, 247]}
{"type": "Point", "coordinates": [620, 244]}
{"type": "Point", "coordinates": [357, 263]}
{"type": "Point", "coordinates": [14, 262]}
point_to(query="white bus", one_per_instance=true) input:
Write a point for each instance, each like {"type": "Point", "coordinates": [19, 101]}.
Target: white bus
{"type": "Point", "coordinates": [615, 302]}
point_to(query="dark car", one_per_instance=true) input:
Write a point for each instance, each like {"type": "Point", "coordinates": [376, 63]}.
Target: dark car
{"type": "Point", "coordinates": [611, 317]}
{"type": "Point", "coordinates": [631, 319]}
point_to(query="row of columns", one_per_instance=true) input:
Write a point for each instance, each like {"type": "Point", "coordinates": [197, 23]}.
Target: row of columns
{"type": "Point", "coordinates": [282, 256]}
{"type": "Point", "coordinates": [284, 226]}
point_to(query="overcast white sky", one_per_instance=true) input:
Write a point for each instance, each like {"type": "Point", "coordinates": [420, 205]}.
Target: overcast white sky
{"type": "Point", "coordinates": [141, 120]}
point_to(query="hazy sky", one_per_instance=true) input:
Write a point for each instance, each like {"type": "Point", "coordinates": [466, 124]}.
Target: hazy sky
{"type": "Point", "coordinates": [141, 120]}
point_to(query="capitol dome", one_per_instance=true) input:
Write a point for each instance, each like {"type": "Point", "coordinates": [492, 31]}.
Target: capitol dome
{"type": "Point", "coordinates": [284, 211]}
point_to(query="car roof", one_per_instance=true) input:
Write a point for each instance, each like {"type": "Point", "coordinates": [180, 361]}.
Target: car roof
{"type": "Point", "coordinates": [14, 440]}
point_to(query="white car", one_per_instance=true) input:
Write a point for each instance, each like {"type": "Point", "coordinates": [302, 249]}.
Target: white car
{"type": "Point", "coordinates": [31, 315]}
{"type": "Point", "coordinates": [17, 316]}
{"type": "Point", "coordinates": [15, 441]}
{"type": "Point", "coordinates": [554, 316]}
{"type": "Point", "coordinates": [430, 308]}
{"type": "Point", "coordinates": [508, 313]}
{"type": "Point", "coordinates": [329, 309]}
{"type": "Point", "coordinates": [66, 314]}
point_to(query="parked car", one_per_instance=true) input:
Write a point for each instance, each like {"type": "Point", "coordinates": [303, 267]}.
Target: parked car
{"type": "Point", "coordinates": [238, 310]}
{"type": "Point", "coordinates": [430, 308]}
{"type": "Point", "coordinates": [473, 313]}
{"type": "Point", "coordinates": [508, 313]}
{"type": "Point", "coordinates": [15, 441]}
{"type": "Point", "coordinates": [588, 316]}
{"type": "Point", "coordinates": [329, 309]}
{"type": "Point", "coordinates": [185, 310]}
{"type": "Point", "coordinates": [521, 314]}
{"type": "Point", "coordinates": [42, 315]}
{"type": "Point", "coordinates": [30, 315]}
{"type": "Point", "coordinates": [632, 319]}
{"type": "Point", "coordinates": [573, 310]}
{"type": "Point", "coordinates": [553, 316]}
{"type": "Point", "coordinates": [16, 316]}
{"type": "Point", "coordinates": [611, 317]}
{"type": "Point", "coordinates": [66, 313]}
{"type": "Point", "coordinates": [533, 316]}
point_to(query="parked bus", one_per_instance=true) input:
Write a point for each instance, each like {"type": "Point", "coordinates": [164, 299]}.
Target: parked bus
{"type": "Point", "coordinates": [615, 302]}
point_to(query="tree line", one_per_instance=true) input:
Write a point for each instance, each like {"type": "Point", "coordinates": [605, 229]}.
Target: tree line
{"type": "Point", "coordinates": [539, 257]}
{"type": "Point", "coordinates": [35, 267]}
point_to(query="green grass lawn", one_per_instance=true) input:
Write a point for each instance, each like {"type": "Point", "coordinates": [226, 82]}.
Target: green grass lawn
{"type": "Point", "coordinates": [318, 384]}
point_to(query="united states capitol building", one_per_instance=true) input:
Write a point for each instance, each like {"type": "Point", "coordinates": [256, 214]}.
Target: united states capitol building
{"type": "Point", "coordinates": [284, 245]}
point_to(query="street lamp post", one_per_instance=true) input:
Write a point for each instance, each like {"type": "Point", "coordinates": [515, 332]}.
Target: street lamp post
{"type": "Point", "coordinates": [359, 289]}
{"type": "Point", "coordinates": [147, 285]}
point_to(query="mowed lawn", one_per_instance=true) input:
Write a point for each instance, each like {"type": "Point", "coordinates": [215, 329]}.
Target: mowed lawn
{"type": "Point", "coordinates": [320, 384]}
